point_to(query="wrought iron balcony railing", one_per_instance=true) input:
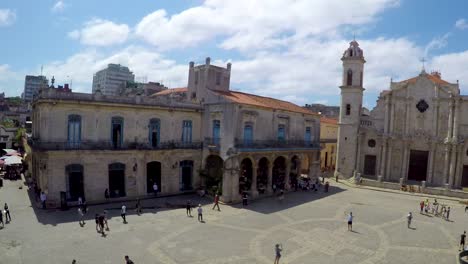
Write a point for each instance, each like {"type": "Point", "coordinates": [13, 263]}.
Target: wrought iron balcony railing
{"type": "Point", "coordinates": [109, 145]}
{"type": "Point", "coordinates": [275, 144]}
{"type": "Point", "coordinates": [212, 143]}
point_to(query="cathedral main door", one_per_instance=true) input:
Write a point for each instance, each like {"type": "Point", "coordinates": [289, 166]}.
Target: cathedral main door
{"type": "Point", "coordinates": [418, 165]}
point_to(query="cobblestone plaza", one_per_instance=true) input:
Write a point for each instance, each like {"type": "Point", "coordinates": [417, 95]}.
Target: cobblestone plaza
{"type": "Point", "coordinates": [310, 226]}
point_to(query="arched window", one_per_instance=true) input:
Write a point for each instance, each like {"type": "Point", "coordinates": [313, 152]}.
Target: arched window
{"type": "Point", "coordinates": [349, 77]}
{"type": "Point", "coordinates": [74, 131]}
{"type": "Point", "coordinates": [350, 52]}
{"type": "Point", "coordinates": [348, 109]}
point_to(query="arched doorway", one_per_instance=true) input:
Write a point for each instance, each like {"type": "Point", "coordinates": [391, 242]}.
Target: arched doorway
{"type": "Point", "coordinates": [279, 172]}
{"type": "Point", "coordinates": [153, 174]}
{"type": "Point", "coordinates": [213, 173]}
{"type": "Point", "coordinates": [295, 170]}
{"type": "Point", "coordinates": [75, 186]}
{"type": "Point", "coordinates": [245, 176]}
{"type": "Point", "coordinates": [117, 179]}
{"type": "Point", "coordinates": [186, 173]}
{"type": "Point", "coordinates": [262, 175]}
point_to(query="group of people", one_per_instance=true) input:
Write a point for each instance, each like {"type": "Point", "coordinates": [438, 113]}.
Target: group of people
{"type": "Point", "coordinates": [435, 209]}
{"type": "Point", "coordinates": [188, 208]}
{"type": "Point", "coordinates": [6, 212]}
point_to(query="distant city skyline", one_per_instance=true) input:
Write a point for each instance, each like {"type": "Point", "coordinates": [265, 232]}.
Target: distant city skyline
{"type": "Point", "coordinates": [290, 50]}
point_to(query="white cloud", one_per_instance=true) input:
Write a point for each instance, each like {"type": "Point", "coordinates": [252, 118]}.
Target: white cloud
{"type": "Point", "coordinates": [437, 43]}
{"type": "Point", "coordinates": [59, 6]}
{"type": "Point", "coordinates": [7, 17]}
{"type": "Point", "coordinates": [247, 25]}
{"type": "Point", "coordinates": [99, 32]}
{"type": "Point", "coordinates": [461, 24]}
{"type": "Point", "coordinates": [144, 62]}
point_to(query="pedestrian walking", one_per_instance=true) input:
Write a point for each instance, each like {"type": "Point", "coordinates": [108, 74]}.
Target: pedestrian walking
{"type": "Point", "coordinates": [128, 260]}
{"type": "Point", "coordinates": [96, 219]}
{"type": "Point", "coordinates": [138, 207]}
{"type": "Point", "coordinates": [462, 241]}
{"type": "Point", "coordinates": [123, 213]}
{"type": "Point", "coordinates": [105, 220]}
{"type": "Point", "coordinates": [421, 205]}
{"type": "Point", "coordinates": [350, 221]}
{"type": "Point", "coordinates": [216, 202]}
{"type": "Point", "coordinates": [1, 218]}
{"type": "Point", "coordinates": [80, 201]}
{"type": "Point", "coordinates": [409, 217]}
{"type": "Point", "coordinates": [81, 216]}
{"type": "Point", "coordinates": [101, 224]}
{"type": "Point", "coordinates": [188, 208]}
{"type": "Point", "coordinates": [274, 188]}
{"type": "Point", "coordinates": [326, 186]}
{"type": "Point", "coordinates": [84, 207]}
{"type": "Point", "coordinates": [244, 199]}
{"type": "Point", "coordinates": [7, 213]}
{"type": "Point", "coordinates": [43, 200]}
{"type": "Point", "coordinates": [447, 214]}
{"type": "Point", "coordinates": [200, 213]}
{"type": "Point", "coordinates": [278, 249]}
{"type": "Point", "coordinates": [155, 189]}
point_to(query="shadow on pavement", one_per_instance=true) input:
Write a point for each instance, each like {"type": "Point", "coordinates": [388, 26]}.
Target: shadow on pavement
{"type": "Point", "coordinates": [273, 204]}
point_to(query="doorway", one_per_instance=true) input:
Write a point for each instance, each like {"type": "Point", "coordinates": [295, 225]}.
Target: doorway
{"type": "Point", "coordinates": [418, 165]}
{"type": "Point", "coordinates": [153, 174]}
{"type": "Point", "coordinates": [369, 165]}
{"type": "Point", "coordinates": [186, 173]}
{"type": "Point", "coordinates": [464, 183]}
{"type": "Point", "coordinates": [117, 180]}
{"type": "Point", "coordinates": [75, 182]}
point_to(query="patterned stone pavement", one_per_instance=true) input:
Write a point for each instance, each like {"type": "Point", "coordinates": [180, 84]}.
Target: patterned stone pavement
{"type": "Point", "coordinates": [310, 226]}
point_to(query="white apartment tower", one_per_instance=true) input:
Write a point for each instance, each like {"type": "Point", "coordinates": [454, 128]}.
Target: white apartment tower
{"type": "Point", "coordinates": [110, 80]}
{"type": "Point", "coordinates": [32, 84]}
{"type": "Point", "coordinates": [350, 110]}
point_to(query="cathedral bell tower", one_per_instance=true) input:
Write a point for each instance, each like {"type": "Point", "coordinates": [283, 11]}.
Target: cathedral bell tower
{"type": "Point", "coordinates": [350, 110]}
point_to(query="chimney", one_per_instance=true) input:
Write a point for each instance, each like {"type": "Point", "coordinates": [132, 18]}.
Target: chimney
{"type": "Point", "coordinates": [207, 61]}
{"type": "Point", "coordinates": [229, 67]}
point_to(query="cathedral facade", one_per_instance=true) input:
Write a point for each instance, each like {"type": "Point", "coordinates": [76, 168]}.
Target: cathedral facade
{"type": "Point", "coordinates": [416, 133]}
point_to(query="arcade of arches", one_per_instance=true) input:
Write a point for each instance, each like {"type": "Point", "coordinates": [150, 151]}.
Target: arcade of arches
{"type": "Point", "coordinates": [256, 176]}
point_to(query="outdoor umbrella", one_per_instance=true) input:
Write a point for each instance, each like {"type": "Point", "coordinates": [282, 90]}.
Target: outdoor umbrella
{"type": "Point", "coordinates": [13, 160]}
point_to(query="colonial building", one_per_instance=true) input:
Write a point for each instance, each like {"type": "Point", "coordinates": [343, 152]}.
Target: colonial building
{"type": "Point", "coordinates": [328, 139]}
{"type": "Point", "coordinates": [415, 133]}
{"type": "Point", "coordinates": [203, 135]}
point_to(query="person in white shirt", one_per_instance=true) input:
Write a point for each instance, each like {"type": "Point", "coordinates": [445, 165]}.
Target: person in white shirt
{"type": "Point", "coordinates": [155, 189]}
{"type": "Point", "coordinates": [43, 200]}
{"type": "Point", "coordinates": [409, 217]}
{"type": "Point", "coordinates": [81, 215]}
{"type": "Point", "coordinates": [200, 213]}
{"type": "Point", "coordinates": [123, 213]}
{"type": "Point", "coordinates": [350, 221]}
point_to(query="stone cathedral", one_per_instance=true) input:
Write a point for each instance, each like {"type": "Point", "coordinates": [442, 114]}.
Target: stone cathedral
{"type": "Point", "coordinates": [415, 133]}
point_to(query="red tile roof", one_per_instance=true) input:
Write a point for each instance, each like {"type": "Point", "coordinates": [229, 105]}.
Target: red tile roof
{"type": "Point", "coordinates": [261, 101]}
{"type": "Point", "coordinates": [431, 77]}
{"type": "Point", "coordinates": [170, 91]}
{"type": "Point", "coordinates": [328, 120]}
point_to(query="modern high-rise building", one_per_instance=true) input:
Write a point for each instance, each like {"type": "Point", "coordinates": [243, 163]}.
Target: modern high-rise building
{"type": "Point", "coordinates": [32, 84]}
{"type": "Point", "coordinates": [110, 80]}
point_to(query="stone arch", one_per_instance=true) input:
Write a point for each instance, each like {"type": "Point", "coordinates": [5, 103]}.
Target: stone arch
{"type": "Point", "coordinates": [349, 77]}
{"type": "Point", "coordinates": [263, 167]}
{"type": "Point", "coordinates": [294, 169]}
{"type": "Point", "coordinates": [279, 173]}
{"type": "Point", "coordinates": [245, 175]}
{"type": "Point", "coordinates": [213, 173]}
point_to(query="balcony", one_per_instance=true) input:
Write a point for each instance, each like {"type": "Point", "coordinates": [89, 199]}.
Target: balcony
{"type": "Point", "coordinates": [212, 143]}
{"type": "Point", "coordinates": [276, 145]}
{"type": "Point", "coordinates": [108, 145]}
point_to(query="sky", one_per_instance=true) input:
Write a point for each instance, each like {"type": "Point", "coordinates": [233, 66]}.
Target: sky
{"type": "Point", "coordinates": [286, 49]}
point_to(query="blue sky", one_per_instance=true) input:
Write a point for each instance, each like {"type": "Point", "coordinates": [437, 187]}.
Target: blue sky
{"type": "Point", "coordinates": [285, 49]}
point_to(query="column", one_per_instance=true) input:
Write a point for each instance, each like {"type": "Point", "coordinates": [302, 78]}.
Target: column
{"type": "Point", "coordinates": [387, 113]}
{"type": "Point", "coordinates": [358, 155]}
{"type": "Point", "coordinates": [404, 167]}
{"type": "Point", "coordinates": [453, 162]}
{"type": "Point", "coordinates": [455, 120]}
{"type": "Point", "coordinates": [446, 163]}
{"type": "Point", "coordinates": [407, 115]}
{"type": "Point", "coordinates": [435, 114]}
{"type": "Point", "coordinates": [450, 123]}
{"type": "Point", "coordinates": [269, 189]}
{"type": "Point", "coordinates": [459, 167]}
{"type": "Point", "coordinates": [287, 185]}
{"type": "Point", "coordinates": [383, 158]}
{"type": "Point", "coordinates": [430, 165]}
{"type": "Point", "coordinates": [253, 188]}
{"type": "Point", "coordinates": [227, 186]}
{"type": "Point", "coordinates": [388, 165]}
{"type": "Point", "coordinates": [392, 117]}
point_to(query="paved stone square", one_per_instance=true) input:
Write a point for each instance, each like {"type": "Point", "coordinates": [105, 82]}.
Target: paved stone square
{"type": "Point", "coordinates": [310, 226]}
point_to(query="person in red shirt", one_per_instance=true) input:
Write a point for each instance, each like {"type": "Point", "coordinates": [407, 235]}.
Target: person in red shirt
{"type": "Point", "coordinates": [216, 202]}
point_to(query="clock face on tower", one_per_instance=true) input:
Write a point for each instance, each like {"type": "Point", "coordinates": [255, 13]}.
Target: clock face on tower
{"type": "Point", "coordinates": [422, 106]}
